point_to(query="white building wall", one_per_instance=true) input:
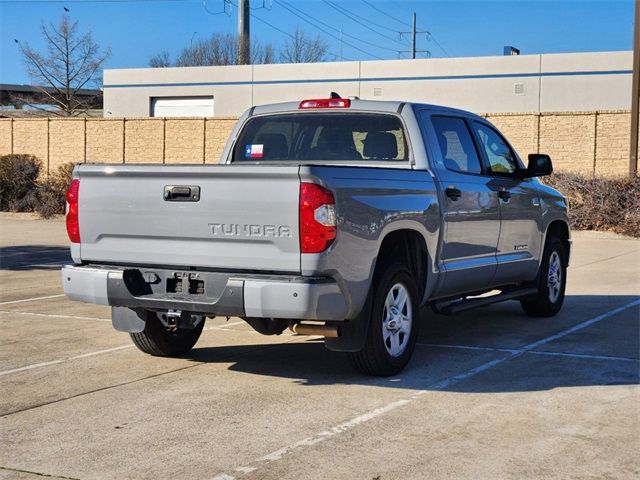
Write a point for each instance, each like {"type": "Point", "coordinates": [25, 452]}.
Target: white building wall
{"type": "Point", "coordinates": [526, 83]}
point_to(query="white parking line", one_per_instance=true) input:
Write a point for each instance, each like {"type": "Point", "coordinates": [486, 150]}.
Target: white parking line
{"type": "Point", "coordinates": [53, 315]}
{"type": "Point", "coordinates": [55, 362]}
{"type": "Point", "coordinates": [76, 317]}
{"type": "Point", "coordinates": [32, 299]}
{"type": "Point", "coordinates": [446, 383]}
{"type": "Point", "coordinates": [533, 352]}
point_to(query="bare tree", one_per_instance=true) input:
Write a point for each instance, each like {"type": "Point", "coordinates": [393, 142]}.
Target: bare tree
{"type": "Point", "coordinates": [303, 49]}
{"type": "Point", "coordinates": [72, 61]}
{"type": "Point", "coordinates": [219, 49]}
{"type": "Point", "coordinates": [262, 55]}
{"type": "Point", "coordinates": [160, 60]}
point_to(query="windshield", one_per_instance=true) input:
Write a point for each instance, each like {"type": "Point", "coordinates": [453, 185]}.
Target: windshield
{"type": "Point", "coordinates": [322, 136]}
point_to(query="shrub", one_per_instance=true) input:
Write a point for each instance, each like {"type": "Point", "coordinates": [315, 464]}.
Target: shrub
{"type": "Point", "coordinates": [52, 192]}
{"type": "Point", "coordinates": [18, 182]}
{"type": "Point", "coordinates": [611, 204]}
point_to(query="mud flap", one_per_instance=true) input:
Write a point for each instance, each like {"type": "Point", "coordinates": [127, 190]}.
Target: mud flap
{"type": "Point", "coordinates": [125, 319]}
{"type": "Point", "coordinates": [353, 333]}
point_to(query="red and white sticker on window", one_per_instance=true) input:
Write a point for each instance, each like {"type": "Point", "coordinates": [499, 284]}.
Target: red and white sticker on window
{"type": "Point", "coordinates": [254, 151]}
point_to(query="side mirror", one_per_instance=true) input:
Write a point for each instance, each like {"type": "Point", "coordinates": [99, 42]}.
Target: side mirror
{"type": "Point", "coordinates": [539, 165]}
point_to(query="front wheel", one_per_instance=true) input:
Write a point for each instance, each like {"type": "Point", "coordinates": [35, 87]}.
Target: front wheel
{"type": "Point", "coordinates": [393, 324]}
{"type": "Point", "coordinates": [551, 282]}
{"type": "Point", "coordinates": [160, 341]}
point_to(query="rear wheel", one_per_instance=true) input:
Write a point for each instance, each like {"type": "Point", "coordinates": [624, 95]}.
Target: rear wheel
{"type": "Point", "coordinates": [551, 282]}
{"type": "Point", "coordinates": [161, 341]}
{"type": "Point", "coordinates": [393, 324]}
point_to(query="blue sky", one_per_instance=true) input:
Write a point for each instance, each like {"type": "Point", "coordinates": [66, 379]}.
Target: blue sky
{"type": "Point", "coordinates": [136, 29]}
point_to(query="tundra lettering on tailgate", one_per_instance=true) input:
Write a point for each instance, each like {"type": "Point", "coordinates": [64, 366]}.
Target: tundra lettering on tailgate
{"type": "Point", "coordinates": [249, 230]}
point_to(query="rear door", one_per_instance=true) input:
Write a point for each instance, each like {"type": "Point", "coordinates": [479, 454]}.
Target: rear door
{"type": "Point", "coordinates": [470, 207]}
{"type": "Point", "coordinates": [238, 217]}
{"type": "Point", "coordinates": [520, 241]}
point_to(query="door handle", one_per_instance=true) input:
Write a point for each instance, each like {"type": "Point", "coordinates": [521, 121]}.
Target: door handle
{"type": "Point", "coordinates": [453, 193]}
{"type": "Point", "coordinates": [181, 193]}
{"type": "Point", "coordinates": [504, 195]}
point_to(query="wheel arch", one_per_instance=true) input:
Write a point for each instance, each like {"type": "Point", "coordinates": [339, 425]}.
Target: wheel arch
{"type": "Point", "coordinates": [409, 246]}
{"type": "Point", "coordinates": [560, 228]}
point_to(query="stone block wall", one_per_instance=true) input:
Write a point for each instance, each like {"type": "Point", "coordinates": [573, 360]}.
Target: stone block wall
{"type": "Point", "coordinates": [593, 143]}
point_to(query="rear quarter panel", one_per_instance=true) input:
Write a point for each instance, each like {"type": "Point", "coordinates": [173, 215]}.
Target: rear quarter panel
{"type": "Point", "coordinates": [371, 203]}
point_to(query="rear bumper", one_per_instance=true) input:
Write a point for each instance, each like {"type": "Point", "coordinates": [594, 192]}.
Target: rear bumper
{"type": "Point", "coordinates": [260, 296]}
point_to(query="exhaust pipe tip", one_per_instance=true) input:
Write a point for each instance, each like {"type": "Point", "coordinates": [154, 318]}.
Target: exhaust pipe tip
{"type": "Point", "coordinates": [323, 330]}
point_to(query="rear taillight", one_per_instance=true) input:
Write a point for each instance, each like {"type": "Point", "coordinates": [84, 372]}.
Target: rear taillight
{"type": "Point", "coordinates": [317, 218]}
{"type": "Point", "coordinates": [73, 225]}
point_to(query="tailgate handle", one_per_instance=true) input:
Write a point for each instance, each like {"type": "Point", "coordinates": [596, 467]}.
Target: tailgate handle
{"type": "Point", "coordinates": [181, 193]}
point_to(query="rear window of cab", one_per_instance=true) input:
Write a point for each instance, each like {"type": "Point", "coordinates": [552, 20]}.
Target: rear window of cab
{"type": "Point", "coordinates": [322, 136]}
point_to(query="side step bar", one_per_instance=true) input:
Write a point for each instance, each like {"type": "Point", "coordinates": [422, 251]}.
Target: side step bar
{"type": "Point", "coordinates": [451, 307]}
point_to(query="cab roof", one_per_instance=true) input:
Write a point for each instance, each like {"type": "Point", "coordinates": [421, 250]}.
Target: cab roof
{"type": "Point", "coordinates": [383, 106]}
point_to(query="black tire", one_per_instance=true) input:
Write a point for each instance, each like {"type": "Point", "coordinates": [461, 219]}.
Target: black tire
{"type": "Point", "coordinates": [157, 340]}
{"type": "Point", "coordinates": [375, 357]}
{"type": "Point", "coordinates": [547, 302]}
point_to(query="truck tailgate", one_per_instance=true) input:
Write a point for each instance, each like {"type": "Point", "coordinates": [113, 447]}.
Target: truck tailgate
{"type": "Point", "coordinates": [246, 217]}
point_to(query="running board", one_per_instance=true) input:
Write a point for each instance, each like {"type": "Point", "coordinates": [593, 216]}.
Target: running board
{"type": "Point", "coordinates": [452, 307]}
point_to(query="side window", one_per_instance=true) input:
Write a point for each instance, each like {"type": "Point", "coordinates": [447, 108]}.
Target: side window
{"type": "Point", "coordinates": [501, 157]}
{"type": "Point", "coordinates": [456, 146]}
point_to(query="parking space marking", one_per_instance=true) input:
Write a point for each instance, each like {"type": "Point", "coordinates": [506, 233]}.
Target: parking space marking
{"type": "Point", "coordinates": [53, 315]}
{"type": "Point", "coordinates": [604, 259]}
{"type": "Point", "coordinates": [196, 364]}
{"type": "Point", "coordinates": [33, 299]}
{"type": "Point", "coordinates": [62, 360]}
{"type": "Point", "coordinates": [446, 383]}
{"type": "Point", "coordinates": [534, 352]}
{"type": "Point", "coordinates": [586, 356]}
{"type": "Point", "coordinates": [76, 317]}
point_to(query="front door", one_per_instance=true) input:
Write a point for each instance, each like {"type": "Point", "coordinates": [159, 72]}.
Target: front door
{"type": "Point", "coordinates": [520, 242]}
{"type": "Point", "coordinates": [471, 211]}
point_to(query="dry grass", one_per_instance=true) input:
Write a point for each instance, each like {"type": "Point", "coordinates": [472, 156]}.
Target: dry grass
{"type": "Point", "coordinates": [19, 182]}
{"type": "Point", "coordinates": [21, 190]}
{"type": "Point", "coordinates": [606, 204]}
{"type": "Point", "coordinates": [52, 193]}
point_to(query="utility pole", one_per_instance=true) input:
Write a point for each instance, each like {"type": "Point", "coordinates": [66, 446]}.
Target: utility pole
{"type": "Point", "coordinates": [635, 94]}
{"type": "Point", "coordinates": [244, 35]}
{"type": "Point", "coordinates": [340, 44]}
{"type": "Point", "coordinates": [414, 33]}
{"type": "Point", "coordinates": [413, 37]}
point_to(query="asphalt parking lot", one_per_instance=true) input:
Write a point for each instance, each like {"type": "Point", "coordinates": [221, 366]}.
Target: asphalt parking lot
{"type": "Point", "coordinates": [490, 394]}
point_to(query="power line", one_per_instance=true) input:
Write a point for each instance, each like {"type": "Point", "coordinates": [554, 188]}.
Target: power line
{"type": "Point", "coordinates": [224, 8]}
{"type": "Point", "coordinates": [270, 24]}
{"type": "Point", "coordinates": [264, 6]}
{"type": "Point", "coordinates": [368, 21]}
{"type": "Point", "coordinates": [324, 31]}
{"type": "Point", "coordinates": [438, 44]}
{"type": "Point", "coordinates": [386, 14]}
{"type": "Point", "coordinates": [430, 35]}
{"type": "Point", "coordinates": [253, 15]}
{"type": "Point", "coordinates": [349, 15]}
{"type": "Point", "coordinates": [343, 33]}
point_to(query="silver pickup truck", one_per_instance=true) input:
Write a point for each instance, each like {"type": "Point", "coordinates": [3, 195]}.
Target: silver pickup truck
{"type": "Point", "coordinates": [334, 217]}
